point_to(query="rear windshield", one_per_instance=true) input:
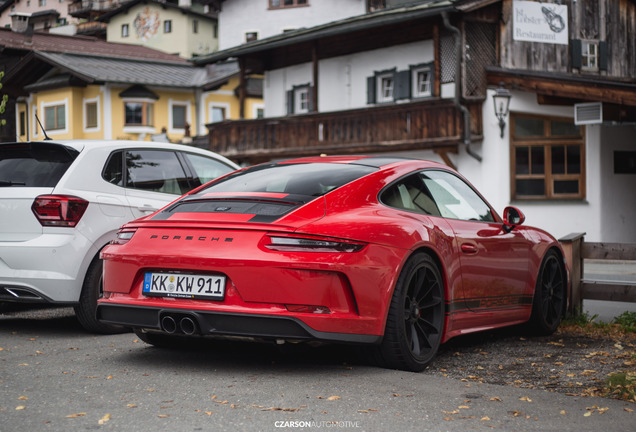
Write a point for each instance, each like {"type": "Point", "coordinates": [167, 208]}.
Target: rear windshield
{"type": "Point", "coordinates": [295, 179]}
{"type": "Point", "coordinates": [34, 164]}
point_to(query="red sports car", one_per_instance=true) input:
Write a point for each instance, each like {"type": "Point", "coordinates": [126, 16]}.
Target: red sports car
{"type": "Point", "coordinates": [399, 254]}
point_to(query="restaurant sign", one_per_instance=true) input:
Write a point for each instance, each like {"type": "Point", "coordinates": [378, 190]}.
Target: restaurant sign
{"type": "Point", "coordinates": [540, 22]}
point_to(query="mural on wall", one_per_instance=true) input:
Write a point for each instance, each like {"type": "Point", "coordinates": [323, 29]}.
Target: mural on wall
{"type": "Point", "coordinates": [146, 24]}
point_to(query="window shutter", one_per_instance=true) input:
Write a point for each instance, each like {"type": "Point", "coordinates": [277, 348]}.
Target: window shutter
{"type": "Point", "coordinates": [371, 90]}
{"type": "Point", "coordinates": [402, 83]}
{"type": "Point", "coordinates": [310, 99]}
{"type": "Point", "coordinates": [290, 102]}
{"type": "Point", "coordinates": [575, 50]}
{"type": "Point", "coordinates": [602, 55]}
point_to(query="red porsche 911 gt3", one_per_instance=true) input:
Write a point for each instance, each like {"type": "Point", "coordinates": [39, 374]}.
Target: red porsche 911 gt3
{"type": "Point", "coordinates": [399, 254]}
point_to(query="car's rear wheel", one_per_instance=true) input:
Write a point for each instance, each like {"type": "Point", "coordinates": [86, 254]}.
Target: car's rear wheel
{"type": "Point", "coordinates": [549, 296]}
{"type": "Point", "coordinates": [86, 309]}
{"type": "Point", "coordinates": [416, 317]}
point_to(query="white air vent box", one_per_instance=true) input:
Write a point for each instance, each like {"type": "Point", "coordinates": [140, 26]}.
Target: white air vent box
{"type": "Point", "coordinates": [588, 113]}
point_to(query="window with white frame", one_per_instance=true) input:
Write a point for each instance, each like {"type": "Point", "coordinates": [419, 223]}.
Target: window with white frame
{"type": "Point", "coordinates": [55, 117]}
{"type": "Point", "coordinates": [218, 112]}
{"type": "Point", "coordinates": [125, 30]}
{"type": "Point", "coordinates": [589, 55]}
{"type": "Point", "coordinates": [301, 100]}
{"type": "Point", "coordinates": [385, 83]}
{"type": "Point", "coordinates": [278, 4]}
{"type": "Point", "coordinates": [91, 114]}
{"type": "Point", "coordinates": [179, 116]}
{"type": "Point", "coordinates": [138, 113]}
{"type": "Point", "coordinates": [421, 81]}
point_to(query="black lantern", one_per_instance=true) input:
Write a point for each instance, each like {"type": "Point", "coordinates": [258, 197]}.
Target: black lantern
{"type": "Point", "coordinates": [501, 98]}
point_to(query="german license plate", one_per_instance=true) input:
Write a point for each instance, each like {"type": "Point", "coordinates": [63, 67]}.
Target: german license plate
{"type": "Point", "coordinates": [179, 285]}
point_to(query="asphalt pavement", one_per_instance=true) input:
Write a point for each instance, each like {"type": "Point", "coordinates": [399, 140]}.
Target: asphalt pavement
{"type": "Point", "coordinates": [56, 377]}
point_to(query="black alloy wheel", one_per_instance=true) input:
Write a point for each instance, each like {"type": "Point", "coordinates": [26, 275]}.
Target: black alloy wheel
{"type": "Point", "coordinates": [549, 296]}
{"type": "Point", "coordinates": [416, 316]}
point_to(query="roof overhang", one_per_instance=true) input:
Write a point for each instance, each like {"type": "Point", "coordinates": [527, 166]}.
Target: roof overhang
{"type": "Point", "coordinates": [362, 23]}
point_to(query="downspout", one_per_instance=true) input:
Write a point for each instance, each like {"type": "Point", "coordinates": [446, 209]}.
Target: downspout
{"type": "Point", "coordinates": [458, 85]}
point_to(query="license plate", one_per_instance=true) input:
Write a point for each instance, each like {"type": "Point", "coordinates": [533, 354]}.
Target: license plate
{"type": "Point", "coordinates": [180, 285]}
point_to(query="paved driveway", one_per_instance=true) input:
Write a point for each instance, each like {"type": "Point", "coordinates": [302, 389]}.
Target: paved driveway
{"type": "Point", "coordinates": [55, 377]}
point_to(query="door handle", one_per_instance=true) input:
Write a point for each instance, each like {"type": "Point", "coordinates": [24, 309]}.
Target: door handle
{"type": "Point", "coordinates": [147, 208]}
{"type": "Point", "coordinates": [468, 248]}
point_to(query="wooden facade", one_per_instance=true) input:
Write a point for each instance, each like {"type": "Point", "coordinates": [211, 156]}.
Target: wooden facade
{"type": "Point", "coordinates": [434, 124]}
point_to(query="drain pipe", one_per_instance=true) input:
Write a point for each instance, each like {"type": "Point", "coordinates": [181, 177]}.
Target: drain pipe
{"type": "Point", "coordinates": [458, 85]}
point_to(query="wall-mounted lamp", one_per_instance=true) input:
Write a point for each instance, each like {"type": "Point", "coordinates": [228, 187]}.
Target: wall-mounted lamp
{"type": "Point", "coordinates": [501, 98]}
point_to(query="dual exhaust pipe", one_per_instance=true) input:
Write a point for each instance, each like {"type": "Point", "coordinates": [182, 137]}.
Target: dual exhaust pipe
{"type": "Point", "coordinates": [181, 325]}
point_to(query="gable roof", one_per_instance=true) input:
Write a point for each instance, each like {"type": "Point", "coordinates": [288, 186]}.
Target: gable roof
{"type": "Point", "coordinates": [36, 71]}
{"type": "Point", "coordinates": [55, 43]}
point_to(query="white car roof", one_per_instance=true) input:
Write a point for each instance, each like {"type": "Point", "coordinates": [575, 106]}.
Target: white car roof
{"type": "Point", "coordinates": [81, 144]}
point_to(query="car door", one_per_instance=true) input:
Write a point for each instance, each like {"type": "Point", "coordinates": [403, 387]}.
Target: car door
{"type": "Point", "coordinates": [493, 259]}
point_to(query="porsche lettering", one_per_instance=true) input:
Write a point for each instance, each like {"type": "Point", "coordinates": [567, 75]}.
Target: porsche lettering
{"type": "Point", "coordinates": [198, 238]}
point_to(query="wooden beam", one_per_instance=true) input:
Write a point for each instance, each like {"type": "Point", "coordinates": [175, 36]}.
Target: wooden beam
{"type": "Point", "coordinates": [314, 60]}
{"type": "Point", "coordinates": [242, 88]}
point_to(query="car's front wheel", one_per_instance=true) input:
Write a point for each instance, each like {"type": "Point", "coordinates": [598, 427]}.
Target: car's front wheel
{"type": "Point", "coordinates": [415, 321]}
{"type": "Point", "coordinates": [549, 296]}
{"type": "Point", "coordinates": [86, 309]}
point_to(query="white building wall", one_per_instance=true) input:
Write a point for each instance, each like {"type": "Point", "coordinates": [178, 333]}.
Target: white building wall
{"type": "Point", "coordinates": [240, 16]}
{"type": "Point", "coordinates": [618, 191]}
{"type": "Point", "coordinates": [492, 175]}
{"type": "Point", "coordinates": [343, 80]}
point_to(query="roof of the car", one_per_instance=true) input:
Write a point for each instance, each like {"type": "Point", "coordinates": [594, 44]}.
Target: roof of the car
{"type": "Point", "coordinates": [82, 144]}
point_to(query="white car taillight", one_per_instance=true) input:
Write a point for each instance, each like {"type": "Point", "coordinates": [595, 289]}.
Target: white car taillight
{"type": "Point", "coordinates": [59, 210]}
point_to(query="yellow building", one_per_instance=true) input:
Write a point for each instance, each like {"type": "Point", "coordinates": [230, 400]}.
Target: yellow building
{"type": "Point", "coordinates": [187, 32]}
{"type": "Point", "coordinates": [85, 96]}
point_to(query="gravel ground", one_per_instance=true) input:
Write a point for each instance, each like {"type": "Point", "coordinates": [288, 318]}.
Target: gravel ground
{"type": "Point", "coordinates": [565, 362]}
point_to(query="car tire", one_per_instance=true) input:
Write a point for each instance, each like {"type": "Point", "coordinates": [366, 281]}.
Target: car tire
{"type": "Point", "coordinates": [415, 321]}
{"type": "Point", "coordinates": [86, 309]}
{"type": "Point", "coordinates": [550, 294]}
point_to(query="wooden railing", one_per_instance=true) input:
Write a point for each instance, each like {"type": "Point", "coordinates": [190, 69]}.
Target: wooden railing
{"type": "Point", "coordinates": [433, 124]}
{"type": "Point", "coordinates": [577, 251]}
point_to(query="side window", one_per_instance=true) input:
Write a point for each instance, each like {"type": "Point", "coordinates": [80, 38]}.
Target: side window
{"type": "Point", "coordinates": [113, 170]}
{"type": "Point", "coordinates": [156, 171]}
{"type": "Point", "coordinates": [411, 194]}
{"type": "Point", "coordinates": [454, 198]}
{"type": "Point", "coordinates": [205, 168]}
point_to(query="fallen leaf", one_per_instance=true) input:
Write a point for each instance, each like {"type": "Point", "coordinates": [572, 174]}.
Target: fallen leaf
{"type": "Point", "coordinates": [163, 415]}
{"type": "Point", "coordinates": [20, 407]}
{"type": "Point", "coordinates": [209, 413]}
{"type": "Point", "coordinates": [331, 398]}
{"type": "Point", "coordinates": [23, 398]}
{"type": "Point", "coordinates": [131, 405]}
{"type": "Point", "coordinates": [104, 419]}
{"type": "Point", "coordinates": [525, 398]}
{"type": "Point", "coordinates": [485, 418]}
{"type": "Point", "coordinates": [587, 414]}
{"type": "Point", "coordinates": [76, 415]}
{"type": "Point", "coordinates": [562, 412]}
{"type": "Point", "coordinates": [496, 399]}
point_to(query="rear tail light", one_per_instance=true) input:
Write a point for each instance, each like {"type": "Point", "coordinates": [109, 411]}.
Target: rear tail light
{"type": "Point", "coordinates": [312, 244]}
{"type": "Point", "coordinates": [124, 235]}
{"type": "Point", "coordinates": [59, 210]}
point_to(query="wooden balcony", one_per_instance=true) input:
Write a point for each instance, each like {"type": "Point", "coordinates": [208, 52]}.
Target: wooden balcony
{"type": "Point", "coordinates": [433, 124]}
{"type": "Point", "coordinates": [84, 8]}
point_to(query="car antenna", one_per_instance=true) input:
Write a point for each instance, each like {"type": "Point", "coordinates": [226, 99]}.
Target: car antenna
{"type": "Point", "coordinates": [46, 137]}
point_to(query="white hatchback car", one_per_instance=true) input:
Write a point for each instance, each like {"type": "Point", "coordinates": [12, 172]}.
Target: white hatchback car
{"type": "Point", "coordinates": [62, 201]}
